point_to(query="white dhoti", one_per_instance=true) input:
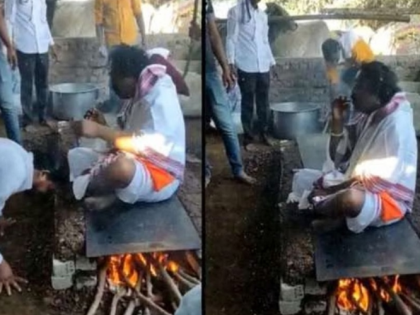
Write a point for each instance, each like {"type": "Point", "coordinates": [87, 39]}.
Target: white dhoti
{"type": "Point", "coordinates": [139, 189]}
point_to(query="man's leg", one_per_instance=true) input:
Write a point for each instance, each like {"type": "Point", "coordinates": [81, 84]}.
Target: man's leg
{"type": "Point", "coordinates": [262, 90]}
{"type": "Point", "coordinates": [9, 110]}
{"type": "Point", "coordinates": [337, 208]}
{"type": "Point", "coordinates": [224, 123]}
{"type": "Point", "coordinates": [116, 175]}
{"type": "Point", "coordinates": [247, 84]}
{"type": "Point", "coordinates": [26, 63]}
{"type": "Point", "coordinates": [41, 84]}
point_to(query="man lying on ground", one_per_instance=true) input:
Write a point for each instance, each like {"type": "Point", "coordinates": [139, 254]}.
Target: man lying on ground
{"type": "Point", "coordinates": [17, 174]}
{"type": "Point", "coordinates": [147, 163]}
{"type": "Point", "coordinates": [379, 153]}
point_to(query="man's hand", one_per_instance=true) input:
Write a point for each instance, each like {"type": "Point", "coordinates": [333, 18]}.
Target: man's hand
{"type": "Point", "coordinates": [194, 31]}
{"type": "Point", "coordinates": [228, 78]}
{"type": "Point", "coordinates": [5, 223]}
{"type": "Point", "coordinates": [8, 279]}
{"type": "Point", "coordinates": [96, 116]}
{"type": "Point", "coordinates": [86, 128]}
{"type": "Point", "coordinates": [12, 57]}
{"type": "Point", "coordinates": [339, 106]}
{"type": "Point", "coordinates": [53, 53]}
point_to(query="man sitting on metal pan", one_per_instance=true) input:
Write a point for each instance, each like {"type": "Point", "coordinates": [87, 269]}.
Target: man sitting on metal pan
{"type": "Point", "coordinates": [148, 158]}
{"type": "Point", "coordinates": [376, 154]}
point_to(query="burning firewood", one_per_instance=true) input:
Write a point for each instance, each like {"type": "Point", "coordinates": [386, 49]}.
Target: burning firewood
{"type": "Point", "coordinates": [399, 303]}
{"type": "Point", "coordinates": [117, 297]}
{"type": "Point", "coordinates": [193, 263]}
{"type": "Point", "coordinates": [100, 291]}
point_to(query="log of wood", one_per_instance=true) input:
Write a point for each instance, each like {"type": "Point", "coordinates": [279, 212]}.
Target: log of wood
{"type": "Point", "coordinates": [188, 277]}
{"type": "Point", "coordinates": [116, 298]}
{"type": "Point", "coordinates": [193, 263]}
{"type": "Point", "coordinates": [130, 308]}
{"type": "Point", "coordinates": [401, 307]}
{"type": "Point", "coordinates": [100, 290]}
{"type": "Point", "coordinates": [411, 301]}
{"type": "Point", "coordinates": [171, 284]}
{"type": "Point", "coordinates": [183, 281]}
{"type": "Point", "coordinates": [332, 304]}
{"type": "Point", "coordinates": [145, 300]}
{"type": "Point", "coordinates": [347, 16]}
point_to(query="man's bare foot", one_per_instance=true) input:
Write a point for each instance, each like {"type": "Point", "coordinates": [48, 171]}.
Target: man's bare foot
{"type": "Point", "coordinates": [327, 225]}
{"type": "Point", "coordinates": [245, 178]}
{"type": "Point", "coordinates": [99, 203]}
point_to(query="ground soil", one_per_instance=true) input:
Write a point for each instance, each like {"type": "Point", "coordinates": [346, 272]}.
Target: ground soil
{"type": "Point", "coordinates": [242, 236]}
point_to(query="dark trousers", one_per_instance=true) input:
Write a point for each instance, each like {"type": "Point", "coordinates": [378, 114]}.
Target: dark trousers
{"type": "Point", "coordinates": [254, 88]}
{"type": "Point", "coordinates": [33, 68]}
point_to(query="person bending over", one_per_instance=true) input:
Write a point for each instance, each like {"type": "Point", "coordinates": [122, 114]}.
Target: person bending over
{"type": "Point", "coordinates": [148, 157]}
{"type": "Point", "coordinates": [343, 58]}
{"type": "Point", "coordinates": [17, 174]}
{"type": "Point", "coordinates": [377, 153]}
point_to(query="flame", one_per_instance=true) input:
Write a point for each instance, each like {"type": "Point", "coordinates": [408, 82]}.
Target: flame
{"type": "Point", "coordinates": [351, 291]}
{"type": "Point", "coordinates": [123, 268]}
{"type": "Point", "coordinates": [353, 295]}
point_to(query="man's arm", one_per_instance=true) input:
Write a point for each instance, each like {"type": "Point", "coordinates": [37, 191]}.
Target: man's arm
{"type": "Point", "coordinates": [99, 22]}
{"type": "Point", "coordinates": [136, 4]}
{"type": "Point", "coordinates": [216, 43]}
{"type": "Point", "coordinates": [231, 35]}
{"type": "Point", "coordinates": [9, 16]}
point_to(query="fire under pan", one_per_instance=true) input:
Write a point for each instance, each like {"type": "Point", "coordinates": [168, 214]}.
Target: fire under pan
{"type": "Point", "coordinates": [377, 252]}
{"type": "Point", "coordinates": [143, 227]}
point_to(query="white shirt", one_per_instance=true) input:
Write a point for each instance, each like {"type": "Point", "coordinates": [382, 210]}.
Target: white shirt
{"type": "Point", "coordinates": [247, 44]}
{"type": "Point", "coordinates": [159, 121]}
{"type": "Point", "coordinates": [16, 171]}
{"type": "Point", "coordinates": [28, 19]}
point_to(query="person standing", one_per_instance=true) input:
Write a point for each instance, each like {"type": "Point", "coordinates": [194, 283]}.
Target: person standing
{"type": "Point", "coordinates": [248, 51]}
{"type": "Point", "coordinates": [33, 40]}
{"type": "Point", "coordinates": [8, 62]}
{"type": "Point", "coordinates": [216, 92]}
{"type": "Point", "coordinates": [115, 25]}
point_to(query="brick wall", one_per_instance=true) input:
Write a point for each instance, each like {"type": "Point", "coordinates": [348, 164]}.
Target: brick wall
{"type": "Point", "coordinates": [304, 79]}
{"type": "Point", "coordinates": [79, 62]}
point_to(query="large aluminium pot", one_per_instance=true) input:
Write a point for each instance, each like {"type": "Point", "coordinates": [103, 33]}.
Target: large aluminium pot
{"type": "Point", "coordinates": [294, 119]}
{"type": "Point", "coordinates": [72, 100]}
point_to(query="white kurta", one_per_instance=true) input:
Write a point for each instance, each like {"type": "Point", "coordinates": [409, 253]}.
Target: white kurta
{"type": "Point", "coordinates": [157, 123]}
{"type": "Point", "coordinates": [16, 171]}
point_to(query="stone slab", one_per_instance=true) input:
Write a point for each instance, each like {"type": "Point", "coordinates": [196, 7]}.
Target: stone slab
{"type": "Point", "coordinates": [143, 227]}
{"type": "Point", "coordinates": [377, 252]}
{"type": "Point", "coordinates": [312, 149]}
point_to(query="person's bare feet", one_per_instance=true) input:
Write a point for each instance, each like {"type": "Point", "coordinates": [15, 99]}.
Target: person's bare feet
{"type": "Point", "coordinates": [245, 178]}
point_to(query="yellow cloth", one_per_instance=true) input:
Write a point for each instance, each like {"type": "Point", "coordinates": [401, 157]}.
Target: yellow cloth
{"type": "Point", "coordinates": [332, 74]}
{"type": "Point", "coordinates": [361, 52]}
{"type": "Point", "coordinates": [118, 17]}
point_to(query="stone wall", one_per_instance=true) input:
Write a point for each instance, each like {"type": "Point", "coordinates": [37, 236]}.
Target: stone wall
{"type": "Point", "coordinates": [79, 61]}
{"type": "Point", "coordinates": [304, 79]}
